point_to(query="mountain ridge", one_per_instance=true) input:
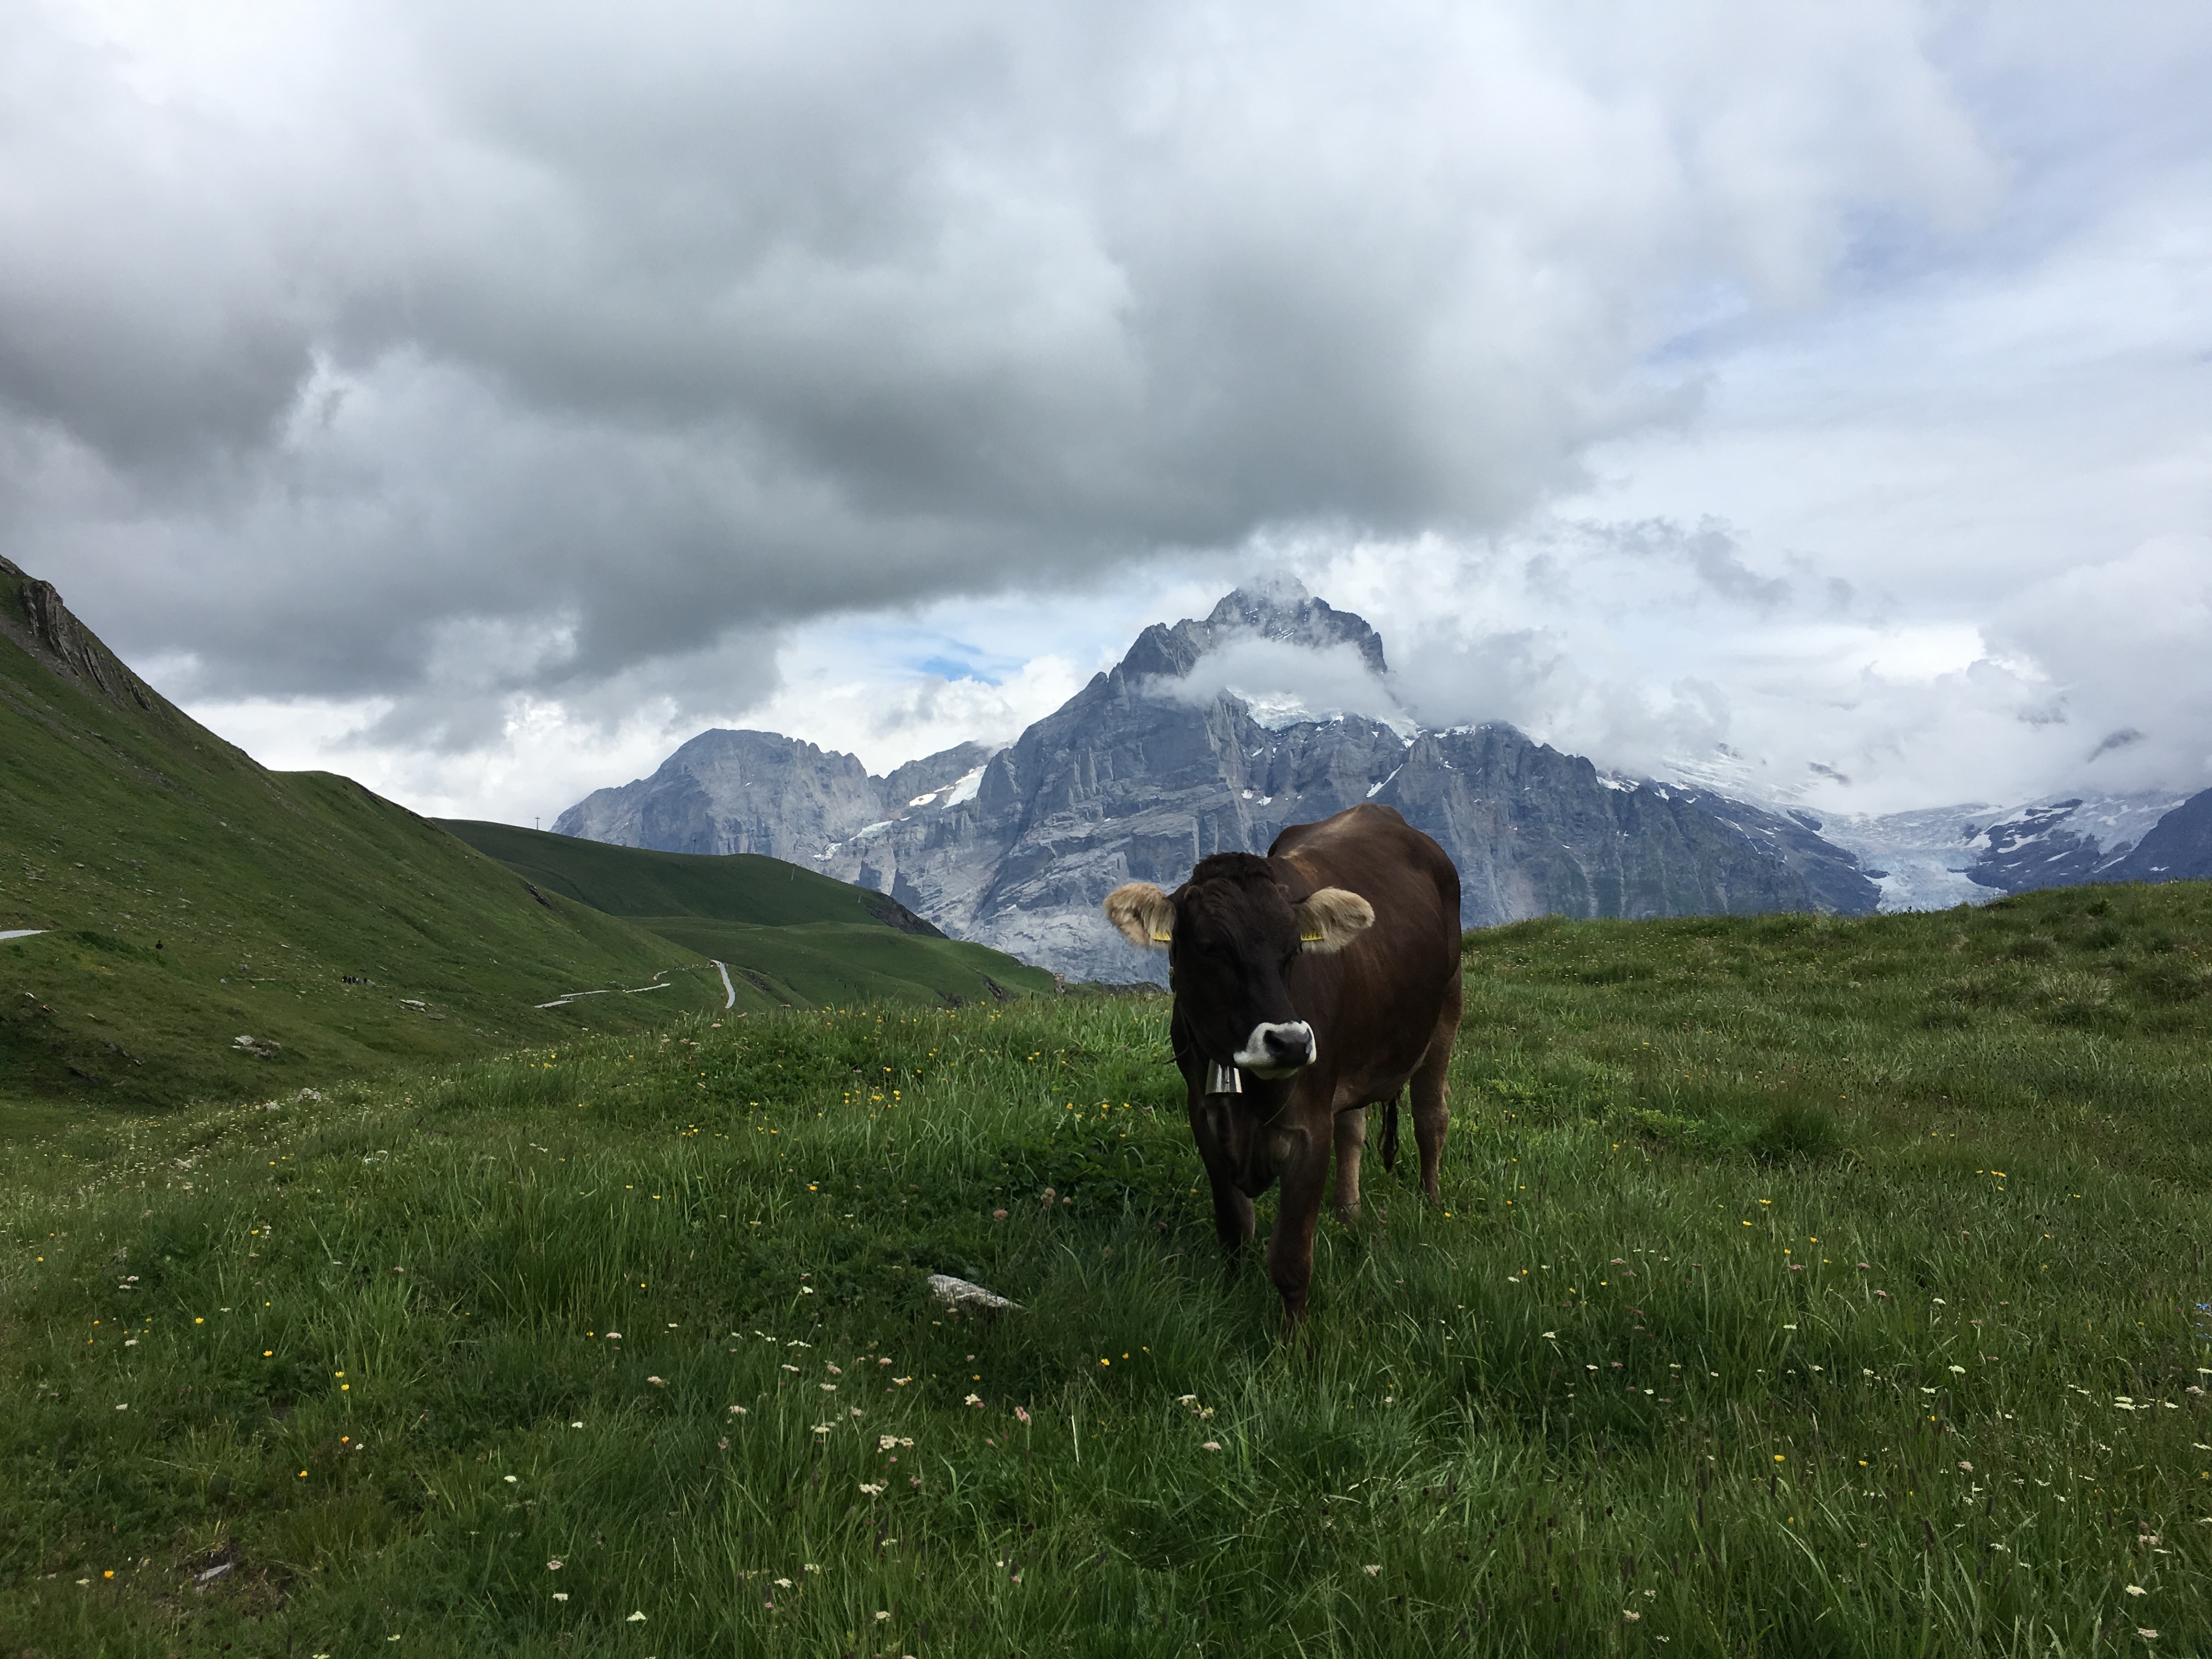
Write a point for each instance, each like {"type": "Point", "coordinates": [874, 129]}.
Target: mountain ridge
{"type": "Point", "coordinates": [1134, 777]}
{"type": "Point", "coordinates": [179, 922]}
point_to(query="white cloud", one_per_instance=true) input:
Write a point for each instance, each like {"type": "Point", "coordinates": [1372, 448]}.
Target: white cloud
{"type": "Point", "coordinates": [887, 721]}
{"type": "Point", "coordinates": [380, 313]}
{"type": "Point", "coordinates": [1286, 683]}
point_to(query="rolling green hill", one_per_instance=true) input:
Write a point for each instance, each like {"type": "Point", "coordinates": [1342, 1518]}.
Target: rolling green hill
{"type": "Point", "coordinates": [187, 896]}
{"type": "Point", "coordinates": [789, 937]}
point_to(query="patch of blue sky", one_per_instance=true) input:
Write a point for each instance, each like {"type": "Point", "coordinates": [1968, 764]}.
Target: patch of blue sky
{"type": "Point", "coordinates": [919, 650]}
{"type": "Point", "coordinates": [954, 668]}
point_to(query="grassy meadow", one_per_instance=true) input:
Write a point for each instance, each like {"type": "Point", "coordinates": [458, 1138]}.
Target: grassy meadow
{"type": "Point", "coordinates": [1800, 1287]}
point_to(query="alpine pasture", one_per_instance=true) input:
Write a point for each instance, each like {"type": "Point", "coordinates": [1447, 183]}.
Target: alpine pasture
{"type": "Point", "coordinates": [1799, 1287]}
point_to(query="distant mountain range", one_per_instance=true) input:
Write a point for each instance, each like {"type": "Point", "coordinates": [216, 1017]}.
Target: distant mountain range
{"type": "Point", "coordinates": [1144, 772]}
{"type": "Point", "coordinates": [1147, 770]}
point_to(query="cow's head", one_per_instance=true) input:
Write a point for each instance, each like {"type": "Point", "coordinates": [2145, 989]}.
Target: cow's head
{"type": "Point", "coordinates": [1232, 931]}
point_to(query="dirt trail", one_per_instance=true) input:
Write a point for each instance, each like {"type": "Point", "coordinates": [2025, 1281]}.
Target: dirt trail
{"type": "Point", "coordinates": [568, 997]}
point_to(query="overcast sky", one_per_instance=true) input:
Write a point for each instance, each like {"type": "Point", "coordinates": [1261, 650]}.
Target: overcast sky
{"type": "Point", "coordinates": [481, 398]}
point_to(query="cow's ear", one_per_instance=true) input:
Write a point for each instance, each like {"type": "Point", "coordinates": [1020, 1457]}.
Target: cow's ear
{"type": "Point", "coordinates": [1145, 915]}
{"type": "Point", "coordinates": [1331, 919]}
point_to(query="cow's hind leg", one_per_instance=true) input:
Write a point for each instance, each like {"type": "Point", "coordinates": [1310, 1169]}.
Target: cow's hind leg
{"type": "Point", "coordinates": [1431, 1117]}
{"type": "Point", "coordinates": [1351, 1140]}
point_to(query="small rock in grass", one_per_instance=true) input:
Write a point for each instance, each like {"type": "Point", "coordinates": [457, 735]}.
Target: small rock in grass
{"type": "Point", "coordinates": [959, 1293]}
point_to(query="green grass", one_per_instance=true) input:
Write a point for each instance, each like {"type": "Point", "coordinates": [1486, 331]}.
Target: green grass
{"type": "Point", "coordinates": [1800, 1286]}
{"type": "Point", "coordinates": [793, 937]}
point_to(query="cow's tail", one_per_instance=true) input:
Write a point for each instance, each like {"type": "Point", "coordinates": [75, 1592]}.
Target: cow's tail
{"type": "Point", "coordinates": [1390, 1134]}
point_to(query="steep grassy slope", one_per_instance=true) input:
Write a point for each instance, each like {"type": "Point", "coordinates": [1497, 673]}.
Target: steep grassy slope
{"type": "Point", "coordinates": [792, 936]}
{"type": "Point", "coordinates": [1800, 1287]}
{"type": "Point", "coordinates": [191, 897]}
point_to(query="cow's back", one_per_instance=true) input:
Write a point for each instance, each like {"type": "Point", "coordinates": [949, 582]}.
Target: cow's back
{"type": "Point", "coordinates": [1375, 1004]}
{"type": "Point", "coordinates": [1403, 873]}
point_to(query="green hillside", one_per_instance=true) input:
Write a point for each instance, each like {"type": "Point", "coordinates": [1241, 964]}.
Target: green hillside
{"type": "Point", "coordinates": [630, 881]}
{"type": "Point", "coordinates": [790, 937]}
{"type": "Point", "coordinates": [189, 897]}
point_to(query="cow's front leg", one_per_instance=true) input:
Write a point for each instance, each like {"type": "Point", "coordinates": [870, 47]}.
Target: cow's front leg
{"type": "Point", "coordinates": [1232, 1210]}
{"type": "Point", "coordinates": [1303, 1163]}
{"type": "Point", "coordinates": [1232, 1218]}
{"type": "Point", "coordinates": [1351, 1141]}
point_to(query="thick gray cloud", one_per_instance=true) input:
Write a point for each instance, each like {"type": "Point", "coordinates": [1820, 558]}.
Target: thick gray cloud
{"type": "Point", "coordinates": [440, 353]}
{"type": "Point", "coordinates": [504, 390]}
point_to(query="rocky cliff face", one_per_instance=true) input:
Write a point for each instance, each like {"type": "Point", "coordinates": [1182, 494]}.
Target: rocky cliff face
{"type": "Point", "coordinates": [1137, 778]}
{"type": "Point", "coordinates": [734, 791]}
{"type": "Point", "coordinates": [45, 627]}
{"type": "Point", "coordinates": [1284, 614]}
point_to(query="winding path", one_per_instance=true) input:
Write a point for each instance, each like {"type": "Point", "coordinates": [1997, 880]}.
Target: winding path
{"type": "Point", "coordinates": [568, 997]}
{"type": "Point", "coordinates": [729, 991]}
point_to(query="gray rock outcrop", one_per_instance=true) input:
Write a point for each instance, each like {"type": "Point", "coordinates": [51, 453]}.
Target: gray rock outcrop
{"type": "Point", "coordinates": [735, 792]}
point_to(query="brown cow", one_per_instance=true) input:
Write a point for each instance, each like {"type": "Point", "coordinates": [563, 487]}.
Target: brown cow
{"type": "Point", "coordinates": [1309, 985]}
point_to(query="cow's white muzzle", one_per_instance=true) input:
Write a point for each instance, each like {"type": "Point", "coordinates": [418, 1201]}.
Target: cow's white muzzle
{"type": "Point", "coordinates": [1278, 1050]}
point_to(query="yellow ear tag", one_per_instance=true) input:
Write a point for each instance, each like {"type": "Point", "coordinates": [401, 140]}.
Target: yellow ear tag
{"type": "Point", "coordinates": [1163, 938]}
{"type": "Point", "coordinates": [1313, 938]}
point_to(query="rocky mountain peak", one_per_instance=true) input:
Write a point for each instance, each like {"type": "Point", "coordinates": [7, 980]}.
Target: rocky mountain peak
{"type": "Point", "coordinates": [1280, 609]}
{"type": "Point", "coordinates": [1283, 610]}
